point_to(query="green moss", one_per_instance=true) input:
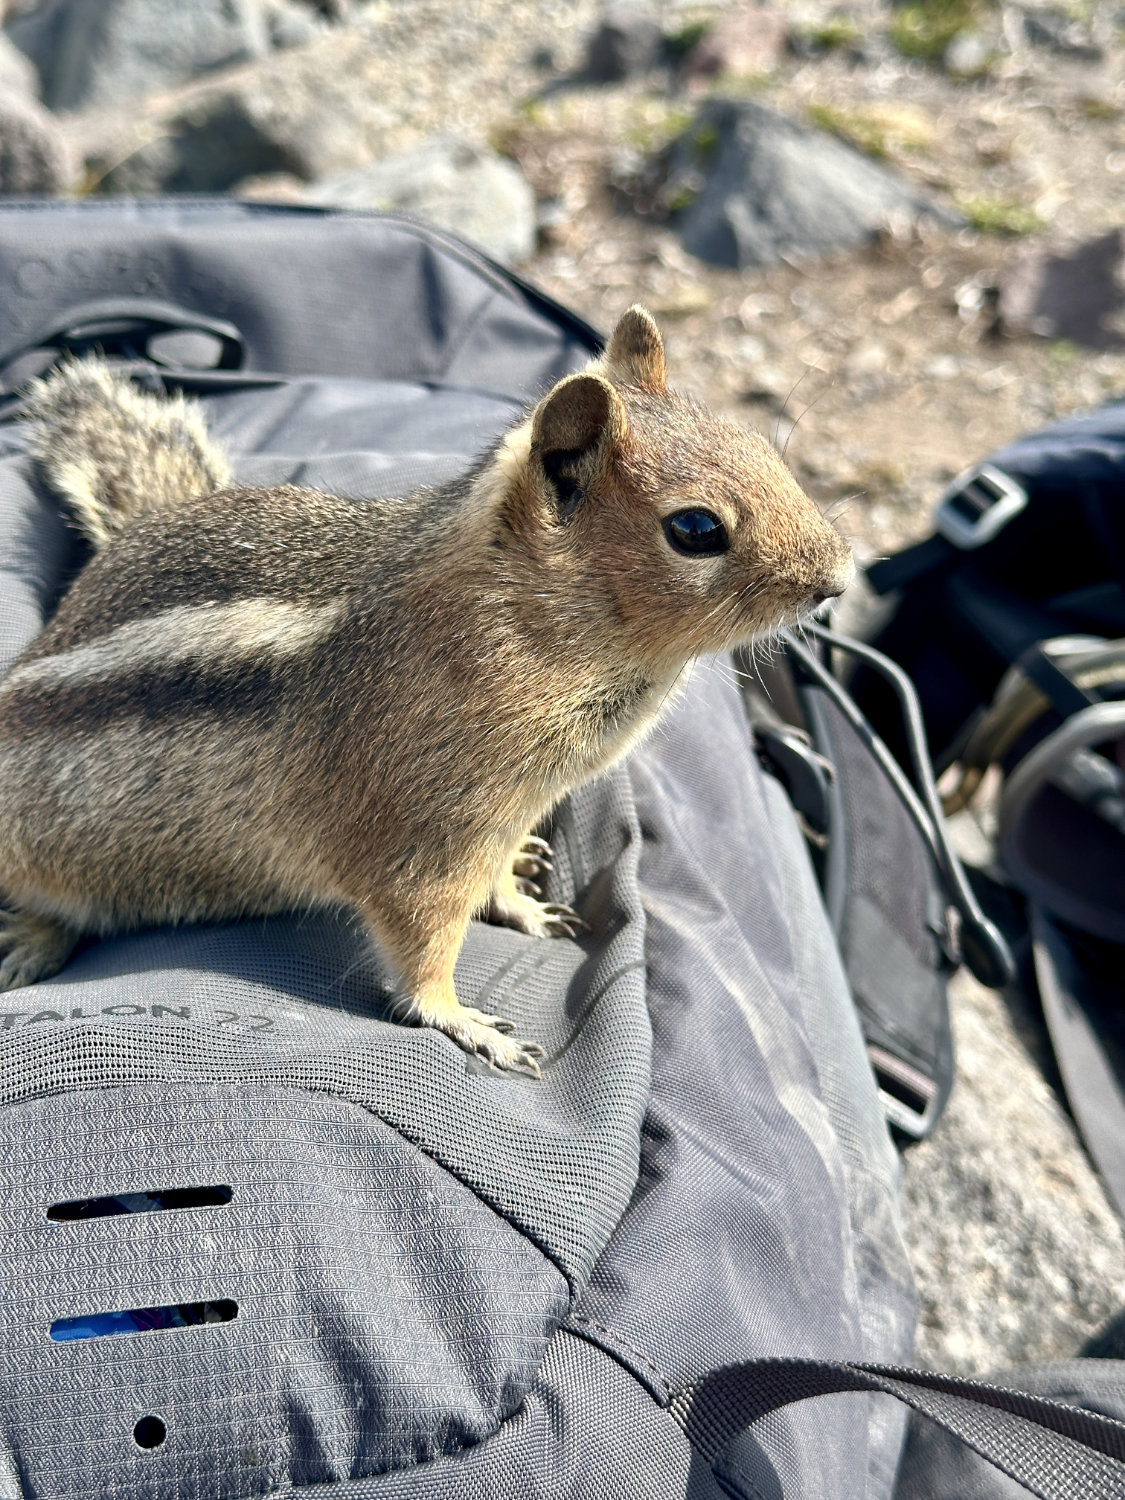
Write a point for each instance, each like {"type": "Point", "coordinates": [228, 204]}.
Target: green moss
{"type": "Point", "coordinates": [830, 36]}
{"type": "Point", "coordinates": [704, 141]}
{"type": "Point", "coordinates": [1094, 107]}
{"type": "Point", "coordinates": [850, 126]}
{"type": "Point", "coordinates": [654, 124]}
{"type": "Point", "coordinates": [506, 135]}
{"type": "Point", "coordinates": [879, 127]}
{"type": "Point", "coordinates": [925, 29]}
{"type": "Point", "coordinates": [999, 215]}
{"type": "Point", "coordinates": [680, 198]}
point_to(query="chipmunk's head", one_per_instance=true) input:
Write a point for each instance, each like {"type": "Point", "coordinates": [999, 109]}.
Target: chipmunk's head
{"type": "Point", "coordinates": [689, 526]}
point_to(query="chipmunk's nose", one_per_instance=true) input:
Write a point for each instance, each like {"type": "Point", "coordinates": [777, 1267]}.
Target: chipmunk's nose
{"type": "Point", "coordinates": [842, 575]}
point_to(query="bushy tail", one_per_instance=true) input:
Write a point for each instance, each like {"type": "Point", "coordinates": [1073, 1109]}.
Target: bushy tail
{"type": "Point", "coordinates": [113, 452]}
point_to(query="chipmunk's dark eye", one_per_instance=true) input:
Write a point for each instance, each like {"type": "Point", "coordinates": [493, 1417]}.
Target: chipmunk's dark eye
{"type": "Point", "coordinates": [696, 531]}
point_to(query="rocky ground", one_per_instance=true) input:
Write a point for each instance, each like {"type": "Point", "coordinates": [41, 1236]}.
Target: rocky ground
{"type": "Point", "coordinates": [585, 147]}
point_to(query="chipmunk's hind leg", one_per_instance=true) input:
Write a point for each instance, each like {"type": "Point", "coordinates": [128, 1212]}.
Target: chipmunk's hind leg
{"type": "Point", "coordinates": [425, 957]}
{"type": "Point", "coordinates": [31, 948]}
{"type": "Point", "coordinates": [515, 902]}
{"type": "Point", "coordinates": [487, 1036]}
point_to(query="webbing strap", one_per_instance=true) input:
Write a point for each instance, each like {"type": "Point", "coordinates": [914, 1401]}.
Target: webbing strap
{"type": "Point", "coordinates": [912, 563]}
{"type": "Point", "coordinates": [1058, 1452]}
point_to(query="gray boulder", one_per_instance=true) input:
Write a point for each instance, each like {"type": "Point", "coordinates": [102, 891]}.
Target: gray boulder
{"type": "Point", "coordinates": [748, 187]}
{"type": "Point", "coordinates": [102, 53]}
{"type": "Point", "coordinates": [33, 156]}
{"type": "Point", "coordinates": [291, 25]}
{"type": "Point", "coordinates": [1074, 295]}
{"type": "Point", "coordinates": [628, 40]}
{"type": "Point", "coordinates": [451, 183]}
{"type": "Point", "coordinates": [267, 123]}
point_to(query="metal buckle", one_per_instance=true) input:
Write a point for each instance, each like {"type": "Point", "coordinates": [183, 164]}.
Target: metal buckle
{"type": "Point", "coordinates": [908, 1097]}
{"type": "Point", "coordinates": [978, 505]}
{"type": "Point", "coordinates": [806, 775]}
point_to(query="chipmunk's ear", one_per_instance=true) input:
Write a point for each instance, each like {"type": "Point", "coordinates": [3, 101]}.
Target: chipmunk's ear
{"type": "Point", "coordinates": [635, 352]}
{"type": "Point", "coordinates": [575, 432]}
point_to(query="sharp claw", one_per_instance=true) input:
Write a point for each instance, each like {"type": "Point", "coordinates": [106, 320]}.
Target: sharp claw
{"type": "Point", "coordinates": [565, 919]}
{"type": "Point", "coordinates": [513, 1056]}
{"type": "Point", "coordinates": [528, 887]}
{"type": "Point", "coordinates": [534, 845]}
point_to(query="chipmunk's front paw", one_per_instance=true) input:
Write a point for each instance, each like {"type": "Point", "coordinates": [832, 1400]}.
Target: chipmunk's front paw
{"type": "Point", "coordinates": [490, 1037]}
{"type": "Point", "coordinates": [524, 911]}
{"type": "Point", "coordinates": [31, 948]}
{"type": "Point", "coordinates": [515, 899]}
{"type": "Point", "coordinates": [515, 903]}
{"type": "Point", "coordinates": [533, 859]}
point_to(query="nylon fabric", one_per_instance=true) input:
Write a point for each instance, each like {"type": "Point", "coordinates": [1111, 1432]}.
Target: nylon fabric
{"type": "Point", "coordinates": [935, 1466]}
{"type": "Point", "coordinates": [368, 1282]}
{"type": "Point", "coordinates": [587, 1431]}
{"type": "Point", "coordinates": [304, 432]}
{"type": "Point", "coordinates": [888, 913]}
{"type": "Point", "coordinates": [313, 292]}
{"type": "Point", "coordinates": [775, 1236]}
{"type": "Point", "coordinates": [1050, 1447]}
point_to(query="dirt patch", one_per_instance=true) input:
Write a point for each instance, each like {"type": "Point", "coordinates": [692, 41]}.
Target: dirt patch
{"type": "Point", "coordinates": [882, 372]}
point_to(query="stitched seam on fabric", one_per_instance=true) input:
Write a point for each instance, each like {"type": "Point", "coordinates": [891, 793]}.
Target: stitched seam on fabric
{"type": "Point", "coordinates": [476, 1192]}
{"type": "Point", "coordinates": [749, 1484]}
{"type": "Point", "coordinates": [621, 1352]}
{"type": "Point", "coordinates": [367, 1109]}
{"type": "Point", "coordinates": [327, 1485]}
{"type": "Point", "coordinates": [456, 345]}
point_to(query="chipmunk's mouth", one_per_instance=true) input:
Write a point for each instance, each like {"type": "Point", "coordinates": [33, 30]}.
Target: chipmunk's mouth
{"type": "Point", "coordinates": [832, 586]}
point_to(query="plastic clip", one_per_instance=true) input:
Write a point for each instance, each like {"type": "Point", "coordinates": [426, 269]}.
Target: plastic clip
{"type": "Point", "coordinates": [978, 505]}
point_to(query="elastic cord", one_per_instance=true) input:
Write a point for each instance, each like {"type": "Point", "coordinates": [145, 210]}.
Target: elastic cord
{"type": "Point", "coordinates": [985, 952]}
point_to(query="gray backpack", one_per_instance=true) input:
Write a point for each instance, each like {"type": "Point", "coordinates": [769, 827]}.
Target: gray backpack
{"type": "Point", "coordinates": [259, 1239]}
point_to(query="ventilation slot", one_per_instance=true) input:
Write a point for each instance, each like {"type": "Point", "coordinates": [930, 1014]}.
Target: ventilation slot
{"type": "Point", "coordinates": [154, 1201]}
{"type": "Point", "coordinates": [143, 1320]}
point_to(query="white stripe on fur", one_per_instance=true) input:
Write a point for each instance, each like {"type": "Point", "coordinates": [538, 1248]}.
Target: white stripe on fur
{"type": "Point", "coordinates": [186, 633]}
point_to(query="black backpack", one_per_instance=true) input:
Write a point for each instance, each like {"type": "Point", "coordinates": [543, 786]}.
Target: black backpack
{"type": "Point", "coordinates": [1011, 621]}
{"type": "Point", "coordinates": [261, 1240]}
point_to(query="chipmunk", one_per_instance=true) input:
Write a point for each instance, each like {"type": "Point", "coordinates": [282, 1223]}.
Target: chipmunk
{"type": "Point", "coordinates": [258, 700]}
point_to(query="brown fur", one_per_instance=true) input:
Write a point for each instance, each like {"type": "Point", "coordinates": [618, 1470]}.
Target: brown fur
{"type": "Point", "coordinates": [270, 699]}
{"type": "Point", "coordinates": [150, 456]}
